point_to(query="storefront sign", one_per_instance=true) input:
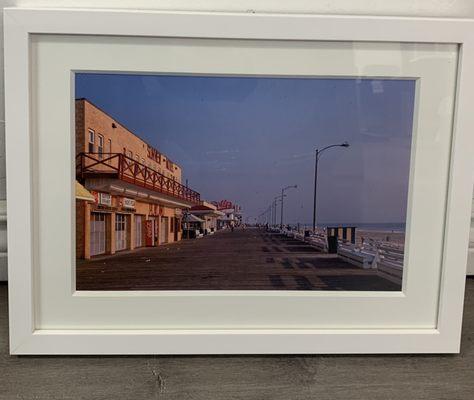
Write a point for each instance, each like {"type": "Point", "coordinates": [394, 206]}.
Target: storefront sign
{"type": "Point", "coordinates": [96, 196]}
{"type": "Point", "coordinates": [153, 209]}
{"type": "Point", "coordinates": [154, 154]}
{"type": "Point", "coordinates": [105, 199]}
{"type": "Point", "coordinates": [128, 203]}
{"type": "Point", "coordinates": [225, 205]}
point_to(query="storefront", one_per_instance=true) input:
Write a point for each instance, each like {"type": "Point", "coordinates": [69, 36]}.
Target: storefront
{"type": "Point", "coordinates": [131, 198]}
{"type": "Point", "coordinates": [112, 223]}
{"type": "Point", "coordinates": [209, 215]}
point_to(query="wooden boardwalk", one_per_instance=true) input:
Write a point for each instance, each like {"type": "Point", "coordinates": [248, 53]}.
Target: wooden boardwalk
{"type": "Point", "coordinates": [249, 259]}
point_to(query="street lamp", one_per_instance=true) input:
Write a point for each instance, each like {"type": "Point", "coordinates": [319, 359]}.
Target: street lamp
{"type": "Point", "coordinates": [282, 196]}
{"type": "Point", "coordinates": [266, 215]}
{"type": "Point", "coordinates": [274, 207]}
{"type": "Point", "coordinates": [318, 154]}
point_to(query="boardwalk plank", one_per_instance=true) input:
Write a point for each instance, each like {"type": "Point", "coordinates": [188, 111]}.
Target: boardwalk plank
{"type": "Point", "coordinates": [246, 259]}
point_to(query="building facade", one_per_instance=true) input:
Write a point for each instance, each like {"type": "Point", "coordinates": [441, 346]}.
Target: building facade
{"type": "Point", "coordinates": [138, 196]}
{"type": "Point", "coordinates": [231, 214]}
{"type": "Point", "coordinates": [209, 214]}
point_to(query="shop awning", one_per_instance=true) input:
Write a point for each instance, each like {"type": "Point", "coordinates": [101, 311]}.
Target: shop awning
{"type": "Point", "coordinates": [82, 193]}
{"type": "Point", "coordinates": [211, 213]}
{"type": "Point", "coordinates": [192, 218]}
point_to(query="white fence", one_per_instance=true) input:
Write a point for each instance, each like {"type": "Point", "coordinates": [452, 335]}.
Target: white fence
{"type": "Point", "coordinates": [386, 258]}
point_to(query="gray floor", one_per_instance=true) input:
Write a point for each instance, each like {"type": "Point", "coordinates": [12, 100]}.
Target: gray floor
{"type": "Point", "coordinates": [240, 377]}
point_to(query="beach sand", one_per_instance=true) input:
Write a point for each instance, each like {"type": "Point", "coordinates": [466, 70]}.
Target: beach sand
{"type": "Point", "coordinates": [394, 237]}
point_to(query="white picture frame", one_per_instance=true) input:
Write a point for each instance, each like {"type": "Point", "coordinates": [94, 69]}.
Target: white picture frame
{"type": "Point", "coordinates": [28, 335]}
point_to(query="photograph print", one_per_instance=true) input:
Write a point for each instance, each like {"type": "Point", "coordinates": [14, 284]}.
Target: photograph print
{"type": "Point", "coordinates": [188, 182]}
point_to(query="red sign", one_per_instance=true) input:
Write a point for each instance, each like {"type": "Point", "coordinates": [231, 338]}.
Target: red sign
{"type": "Point", "coordinates": [154, 209]}
{"type": "Point", "coordinates": [154, 154]}
{"type": "Point", "coordinates": [225, 205]}
{"type": "Point", "coordinates": [96, 196]}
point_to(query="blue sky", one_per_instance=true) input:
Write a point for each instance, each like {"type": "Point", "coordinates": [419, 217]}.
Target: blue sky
{"type": "Point", "coordinates": [244, 138]}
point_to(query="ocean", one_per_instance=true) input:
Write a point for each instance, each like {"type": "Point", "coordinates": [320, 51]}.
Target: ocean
{"type": "Point", "coordinates": [385, 226]}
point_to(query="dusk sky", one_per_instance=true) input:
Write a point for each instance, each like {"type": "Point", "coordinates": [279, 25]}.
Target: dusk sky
{"type": "Point", "coordinates": [244, 138]}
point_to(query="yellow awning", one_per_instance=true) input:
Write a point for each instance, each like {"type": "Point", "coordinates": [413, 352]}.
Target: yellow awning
{"type": "Point", "coordinates": [82, 193]}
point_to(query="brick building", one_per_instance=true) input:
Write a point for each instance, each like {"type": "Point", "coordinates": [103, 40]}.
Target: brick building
{"type": "Point", "coordinates": [138, 195]}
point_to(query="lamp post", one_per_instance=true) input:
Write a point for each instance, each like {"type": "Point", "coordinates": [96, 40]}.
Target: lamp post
{"type": "Point", "coordinates": [274, 207]}
{"type": "Point", "coordinates": [271, 214]}
{"type": "Point", "coordinates": [318, 154]}
{"type": "Point", "coordinates": [282, 196]}
{"type": "Point", "coordinates": [265, 216]}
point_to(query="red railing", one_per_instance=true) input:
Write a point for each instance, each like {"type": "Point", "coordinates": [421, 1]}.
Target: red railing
{"type": "Point", "coordinates": [118, 165]}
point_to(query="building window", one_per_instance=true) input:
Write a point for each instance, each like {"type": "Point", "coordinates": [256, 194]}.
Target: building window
{"type": "Point", "coordinates": [110, 145]}
{"type": "Point", "coordinates": [130, 154]}
{"type": "Point", "coordinates": [91, 140]}
{"type": "Point", "coordinates": [100, 146]}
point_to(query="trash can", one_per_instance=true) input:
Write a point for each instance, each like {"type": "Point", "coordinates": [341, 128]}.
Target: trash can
{"type": "Point", "coordinates": [332, 244]}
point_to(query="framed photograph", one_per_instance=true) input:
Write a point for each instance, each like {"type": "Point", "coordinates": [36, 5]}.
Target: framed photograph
{"type": "Point", "coordinates": [199, 183]}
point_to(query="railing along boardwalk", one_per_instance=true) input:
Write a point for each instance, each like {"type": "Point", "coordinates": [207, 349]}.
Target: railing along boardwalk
{"type": "Point", "coordinates": [386, 258]}
{"type": "Point", "coordinates": [120, 166]}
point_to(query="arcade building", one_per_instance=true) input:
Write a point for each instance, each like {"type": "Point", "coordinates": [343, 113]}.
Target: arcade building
{"type": "Point", "coordinates": [131, 195]}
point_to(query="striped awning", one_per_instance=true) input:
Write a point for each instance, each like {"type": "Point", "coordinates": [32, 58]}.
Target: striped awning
{"type": "Point", "coordinates": [82, 193]}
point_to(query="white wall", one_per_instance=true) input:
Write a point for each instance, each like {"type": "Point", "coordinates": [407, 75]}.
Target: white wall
{"type": "Point", "coordinates": [424, 8]}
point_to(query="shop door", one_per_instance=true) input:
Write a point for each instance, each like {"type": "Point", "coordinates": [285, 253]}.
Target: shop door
{"type": "Point", "coordinates": [176, 228]}
{"type": "Point", "coordinates": [97, 238]}
{"type": "Point", "coordinates": [138, 231]}
{"type": "Point", "coordinates": [120, 232]}
{"type": "Point", "coordinates": [164, 230]}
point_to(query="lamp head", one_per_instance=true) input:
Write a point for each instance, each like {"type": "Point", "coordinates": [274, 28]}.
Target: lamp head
{"type": "Point", "coordinates": [345, 144]}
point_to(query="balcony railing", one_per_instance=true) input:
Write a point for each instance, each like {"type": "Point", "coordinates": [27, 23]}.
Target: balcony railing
{"type": "Point", "coordinates": [120, 166]}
